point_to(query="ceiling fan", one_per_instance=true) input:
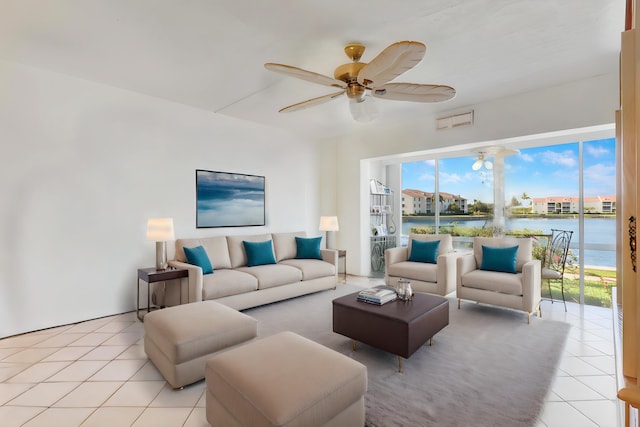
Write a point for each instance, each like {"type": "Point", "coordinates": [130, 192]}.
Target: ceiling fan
{"type": "Point", "coordinates": [480, 161]}
{"type": "Point", "coordinates": [360, 80]}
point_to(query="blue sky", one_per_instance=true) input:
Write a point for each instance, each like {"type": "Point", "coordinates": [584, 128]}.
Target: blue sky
{"type": "Point", "coordinates": [540, 172]}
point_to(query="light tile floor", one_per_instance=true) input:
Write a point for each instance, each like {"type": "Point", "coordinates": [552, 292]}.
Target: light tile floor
{"type": "Point", "coordinates": [584, 389]}
{"type": "Point", "coordinates": [96, 373]}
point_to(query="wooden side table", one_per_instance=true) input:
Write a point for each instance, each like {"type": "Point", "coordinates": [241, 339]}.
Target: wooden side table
{"type": "Point", "coordinates": [342, 253]}
{"type": "Point", "coordinates": [153, 275]}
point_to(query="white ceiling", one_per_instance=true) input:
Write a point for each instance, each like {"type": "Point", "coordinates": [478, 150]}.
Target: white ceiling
{"type": "Point", "coordinates": [210, 53]}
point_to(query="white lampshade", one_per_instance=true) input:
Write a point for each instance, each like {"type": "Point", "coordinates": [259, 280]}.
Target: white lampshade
{"type": "Point", "coordinates": [328, 223]}
{"type": "Point", "coordinates": [160, 229]}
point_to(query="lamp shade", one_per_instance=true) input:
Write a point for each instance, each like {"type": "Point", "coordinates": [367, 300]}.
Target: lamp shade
{"type": "Point", "coordinates": [160, 229]}
{"type": "Point", "coordinates": [329, 223]}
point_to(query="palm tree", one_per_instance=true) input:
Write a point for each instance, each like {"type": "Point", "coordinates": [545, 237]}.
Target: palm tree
{"type": "Point", "coordinates": [524, 197]}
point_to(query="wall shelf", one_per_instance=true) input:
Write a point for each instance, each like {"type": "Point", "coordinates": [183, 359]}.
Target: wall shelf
{"type": "Point", "coordinates": [382, 227]}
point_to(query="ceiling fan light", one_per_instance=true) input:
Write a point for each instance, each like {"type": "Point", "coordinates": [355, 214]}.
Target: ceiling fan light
{"type": "Point", "coordinates": [488, 165]}
{"type": "Point", "coordinates": [363, 109]}
{"type": "Point", "coordinates": [477, 165]}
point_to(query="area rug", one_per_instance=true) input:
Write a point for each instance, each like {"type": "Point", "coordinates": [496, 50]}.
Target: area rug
{"type": "Point", "coordinates": [488, 367]}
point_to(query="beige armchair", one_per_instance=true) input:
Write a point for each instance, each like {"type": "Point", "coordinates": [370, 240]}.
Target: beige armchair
{"type": "Point", "coordinates": [433, 278]}
{"type": "Point", "coordinates": [519, 290]}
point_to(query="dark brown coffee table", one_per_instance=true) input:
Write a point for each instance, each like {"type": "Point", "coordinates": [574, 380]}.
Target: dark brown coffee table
{"type": "Point", "coordinates": [397, 327]}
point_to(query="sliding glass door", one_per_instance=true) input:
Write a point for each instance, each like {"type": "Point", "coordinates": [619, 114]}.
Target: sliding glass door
{"type": "Point", "coordinates": [530, 191]}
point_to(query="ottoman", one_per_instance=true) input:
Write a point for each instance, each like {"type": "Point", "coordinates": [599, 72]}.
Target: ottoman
{"type": "Point", "coordinates": [284, 380]}
{"type": "Point", "coordinates": [180, 339]}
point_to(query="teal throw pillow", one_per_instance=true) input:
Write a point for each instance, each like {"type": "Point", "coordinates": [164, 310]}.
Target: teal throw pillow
{"type": "Point", "coordinates": [259, 253]}
{"type": "Point", "coordinates": [499, 259]}
{"type": "Point", "coordinates": [198, 256]}
{"type": "Point", "coordinates": [424, 251]}
{"type": "Point", "coordinates": [308, 247]}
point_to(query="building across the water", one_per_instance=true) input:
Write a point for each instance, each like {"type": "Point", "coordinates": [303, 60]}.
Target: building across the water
{"type": "Point", "coordinates": [562, 204]}
{"type": "Point", "coordinates": [422, 202]}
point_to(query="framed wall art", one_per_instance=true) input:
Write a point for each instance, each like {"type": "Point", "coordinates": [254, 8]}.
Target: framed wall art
{"type": "Point", "coordinates": [226, 199]}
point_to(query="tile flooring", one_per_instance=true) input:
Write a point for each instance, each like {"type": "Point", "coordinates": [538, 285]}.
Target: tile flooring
{"type": "Point", "coordinates": [96, 373]}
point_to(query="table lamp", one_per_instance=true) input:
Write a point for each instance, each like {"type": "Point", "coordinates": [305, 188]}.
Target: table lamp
{"type": "Point", "coordinates": [160, 230]}
{"type": "Point", "coordinates": [330, 225]}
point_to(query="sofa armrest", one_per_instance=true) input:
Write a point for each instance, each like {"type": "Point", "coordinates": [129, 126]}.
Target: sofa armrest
{"type": "Point", "coordinates": [531, 282]}
{"type": "Point", "coordinates": [395, 255]}
{"type": "Point", "coordinates": [330, 256]}
{"type": "Point", "coordinates": [446, 274]}
{"type": "Point", "coordinates": [464, 264]}
{"type": "Point", "coordinates": [195, 279]}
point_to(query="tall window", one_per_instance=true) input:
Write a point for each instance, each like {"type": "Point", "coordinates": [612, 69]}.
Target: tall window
{"type": "Point", "coordinates": [564, 187]}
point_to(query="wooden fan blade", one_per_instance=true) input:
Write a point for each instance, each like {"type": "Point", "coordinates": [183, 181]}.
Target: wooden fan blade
{"type": "Point", "coordinates": [311, 102]}
{"type": "Point", "coordinates": [391, 62]}
{"type": "Point", "coordinates": [414, 92]}
{"type": "Point", "coordinates": [309, 76]}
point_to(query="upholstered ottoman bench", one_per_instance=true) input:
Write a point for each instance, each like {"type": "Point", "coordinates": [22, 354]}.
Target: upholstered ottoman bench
{"type": "Point", "coordinates": [180, 339]}
{"type": "Point", "coordinates": [284, 380]}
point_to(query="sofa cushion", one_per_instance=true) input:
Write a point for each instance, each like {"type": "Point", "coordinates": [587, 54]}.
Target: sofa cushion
{"type": "Point", "coordinates": [499, 259]}
{"type": "Point", "coordinates": [414, 271]}
{"type": "Point", "coordinates": [311, 268]}
{"type": "Point", "coordinates": [525, 246]}
{"type": "Point", "coordinates": [510, 284]}
{"type": "Point", "coordinates": [284, 244]}
{"type": "Point", "coordinates": [271, 275]}
{"type": "Point", "coordinates": [227, 282]}
{"type": "Point", "coordinates": [424, 251]}
{"type": "Point", "coordinates": [237, 254]}
{"type": "Point", "coordinates": [259, 253]}
{"type": "Point", "coordinates": [446, 242]}
{"type": "Point", "coordinates": [216, 248]}
{"type": "Point", "coordinates": [308, 247]}
{"type": "Point", "coordinates": [198, 256]}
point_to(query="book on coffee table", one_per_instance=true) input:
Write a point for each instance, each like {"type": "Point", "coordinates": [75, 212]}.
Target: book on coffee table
{"type": "Point", "coordinates": [378, 295]}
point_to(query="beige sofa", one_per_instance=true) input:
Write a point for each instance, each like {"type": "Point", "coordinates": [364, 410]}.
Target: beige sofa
{"type": "Point", "coordinates": [439, 278]}
{"type": "Point", "coordinates": [238, 286]}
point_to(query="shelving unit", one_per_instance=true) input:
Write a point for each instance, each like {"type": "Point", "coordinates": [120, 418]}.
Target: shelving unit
{"type": "Point", "coordinates": [381, 208]}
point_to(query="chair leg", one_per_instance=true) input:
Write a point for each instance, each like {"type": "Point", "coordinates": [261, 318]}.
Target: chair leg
{"type": "Point", "coordinates": [459, 299]}
{"type": "Point", "coordinates": [562, 289]}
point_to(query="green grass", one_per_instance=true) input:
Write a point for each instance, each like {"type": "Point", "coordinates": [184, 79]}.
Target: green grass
{"type": "Point", "coordinates": [596, 293]}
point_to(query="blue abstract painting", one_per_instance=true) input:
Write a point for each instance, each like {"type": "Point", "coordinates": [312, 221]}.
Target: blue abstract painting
{"type": "Point", "coordinates": [229, 199]}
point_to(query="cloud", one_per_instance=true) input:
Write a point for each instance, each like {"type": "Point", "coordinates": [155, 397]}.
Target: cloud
{"type": "Point", "coordinates": [431, 163]}
{"type": "Point", "coordinates": [600, 172]}
{"type": "Point", "coordinates": [596, 150]}
{"type": "Point", "coordinates": [427, 176]}
{"type": "Point", "coordinates": [450, 178]}
{"type": "Point", "coordinates": [527, 157]}
{"type": "Point", "coordinates": [565, 158]}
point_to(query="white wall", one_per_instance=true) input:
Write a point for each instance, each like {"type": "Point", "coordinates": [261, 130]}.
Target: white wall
{"type": "Point", "coordinates": [575, 105]}
{"type": "Point", "coordinates": [85, 165]}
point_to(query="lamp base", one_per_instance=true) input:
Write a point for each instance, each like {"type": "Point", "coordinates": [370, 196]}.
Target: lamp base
{"type": "Point", "coordinates": [331, 239]}
{"type": "Point", "coordinates": [161, 256]}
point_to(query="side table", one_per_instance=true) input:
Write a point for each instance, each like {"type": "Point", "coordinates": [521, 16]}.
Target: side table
{"type": "Point", "coordinates": [342, 253]}
{"type": "Point", "coordinates": [153, 275]}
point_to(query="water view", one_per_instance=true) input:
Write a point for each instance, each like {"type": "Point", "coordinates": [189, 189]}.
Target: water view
{"type": "Point", "coordinates": [599, 239]}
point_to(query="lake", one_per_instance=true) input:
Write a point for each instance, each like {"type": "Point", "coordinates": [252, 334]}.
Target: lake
{"type": "Point", "coordinates": [600, 233]}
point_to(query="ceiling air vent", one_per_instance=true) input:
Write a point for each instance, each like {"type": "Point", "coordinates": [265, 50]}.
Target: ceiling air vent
{"type": "Point", "coordinates": [457, 120]}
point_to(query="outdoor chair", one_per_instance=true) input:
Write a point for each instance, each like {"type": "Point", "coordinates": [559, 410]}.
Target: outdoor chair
{"type": "Point", "coordinates": [555, 260]}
